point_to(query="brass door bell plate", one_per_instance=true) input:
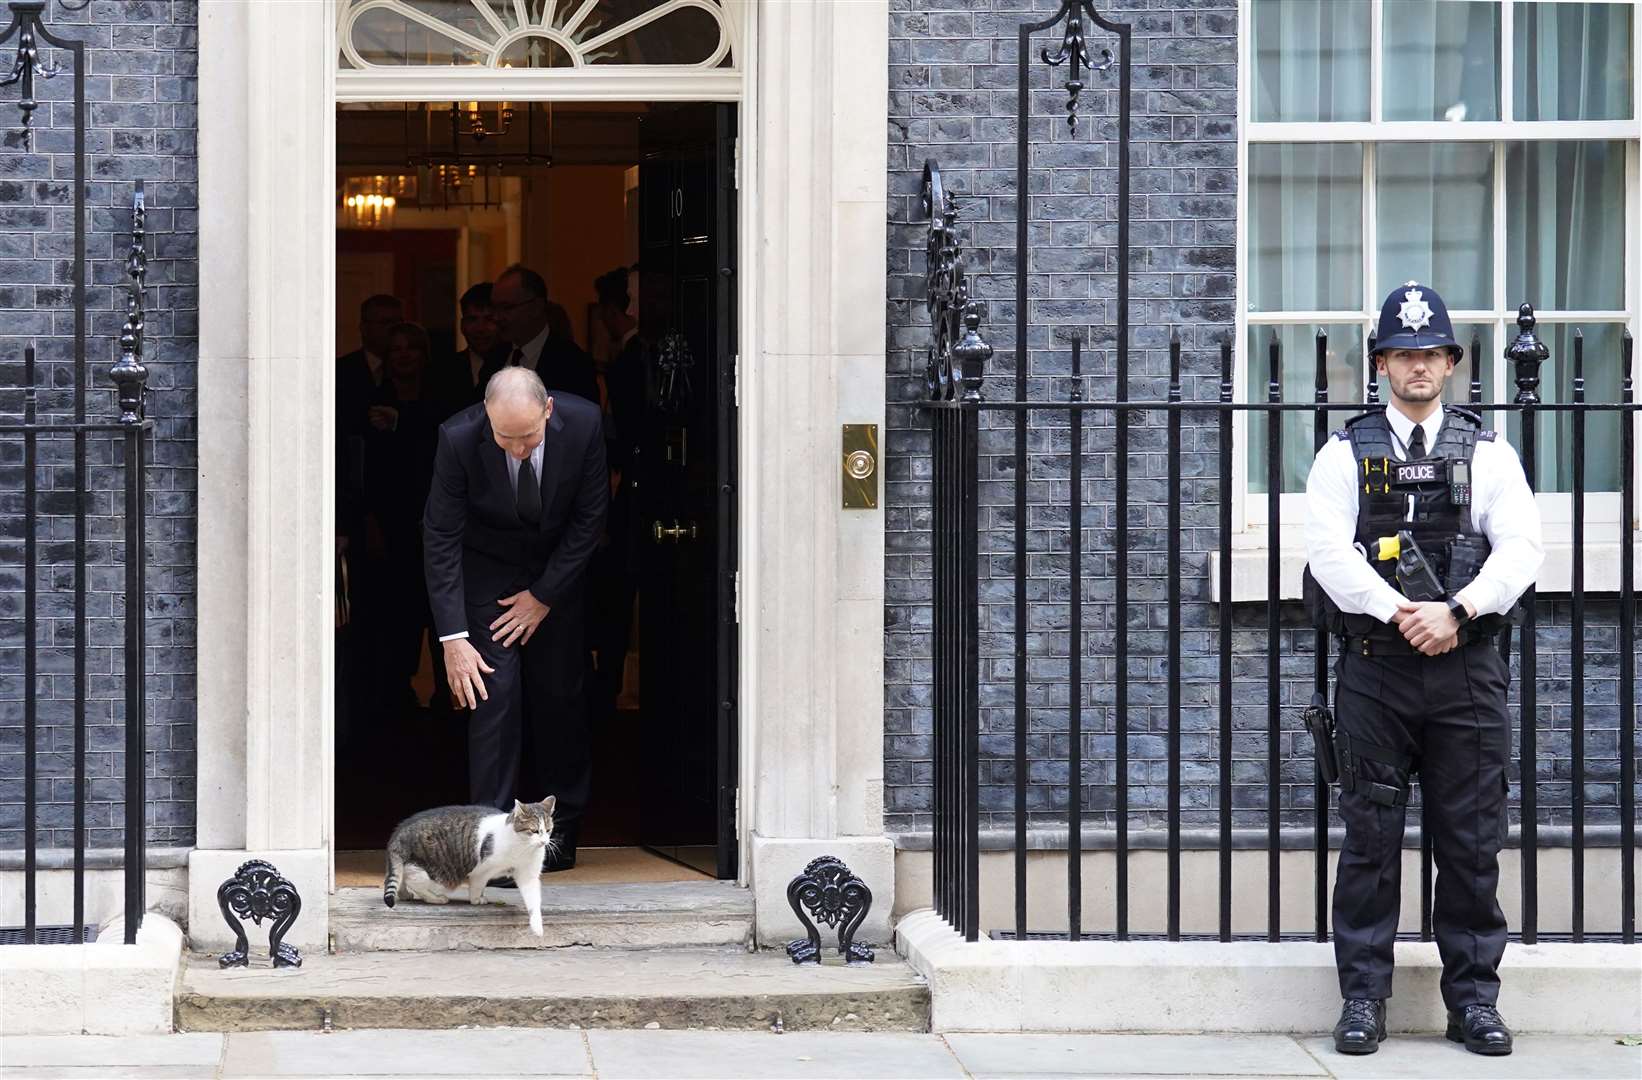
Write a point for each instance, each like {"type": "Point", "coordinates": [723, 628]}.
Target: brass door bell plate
{"type": "Point", "coordinates": [860, 466]}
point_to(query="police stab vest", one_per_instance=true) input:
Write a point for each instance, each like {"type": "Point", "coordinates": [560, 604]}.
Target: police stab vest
{"type": "Point", "coordinates": [1430, 497]}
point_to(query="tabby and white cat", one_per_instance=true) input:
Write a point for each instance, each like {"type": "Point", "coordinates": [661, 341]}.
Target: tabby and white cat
{"type": "Point", "coordinates": [433, 853]}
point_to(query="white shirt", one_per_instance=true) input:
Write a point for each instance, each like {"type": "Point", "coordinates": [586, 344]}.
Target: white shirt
{"type": "Point", "coordinates": [373, 364]}
{"type": "Point", "coordinates": [513, 466]}
{"type": "Point", "coordinates": [1502, 509]}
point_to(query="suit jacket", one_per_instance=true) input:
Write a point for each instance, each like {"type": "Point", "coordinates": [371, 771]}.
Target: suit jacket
{"type": "Point", "coordinates": [454, 381]}
{"type": "Point", "coordinates": [355, 392]}
{"type": "Point", "coordinates": [476, 549]}
{"type": "Point", "coordinates": [563, 368]}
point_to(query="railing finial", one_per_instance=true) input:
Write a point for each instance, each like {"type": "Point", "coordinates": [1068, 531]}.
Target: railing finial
{"type": "Point", "coordinates": [957, 352]}
{"type": "Point", "coordinates": [1526, 354]}
{"type": "Point", "coordinates": [128, 373]}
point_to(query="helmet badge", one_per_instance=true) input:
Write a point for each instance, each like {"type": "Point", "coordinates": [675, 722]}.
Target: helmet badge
{"type": "Point", "coordinates": [1415, 313]}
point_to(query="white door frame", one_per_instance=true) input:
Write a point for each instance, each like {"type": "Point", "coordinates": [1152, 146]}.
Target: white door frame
{"type": "Point", "coordinates": [812, 215]}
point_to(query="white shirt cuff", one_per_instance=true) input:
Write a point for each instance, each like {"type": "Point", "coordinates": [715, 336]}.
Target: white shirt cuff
{"type": "Point", "coordinates": [453, 637]}
{"type": "Point", "coordinates": [1383, 604]}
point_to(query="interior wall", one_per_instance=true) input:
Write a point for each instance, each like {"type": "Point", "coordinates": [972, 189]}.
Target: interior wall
{"type": "Point", "coordinates": [576, 226]}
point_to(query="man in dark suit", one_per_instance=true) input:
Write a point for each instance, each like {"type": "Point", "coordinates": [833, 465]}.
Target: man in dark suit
{"type": "Point", "coordinates": [358, 375]}
{"type": "Point", "coordinates": [461, 377]}
{"type": "Point", "coordinates": [614, 577]}
{"type": "Point", "coordinates": [520, 305]}
{"type": "Point", "coordinates": [517, 505]}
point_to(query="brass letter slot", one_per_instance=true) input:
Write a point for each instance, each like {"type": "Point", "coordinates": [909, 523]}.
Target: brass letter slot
{"type": "Point", "coordinates": [860, 466]}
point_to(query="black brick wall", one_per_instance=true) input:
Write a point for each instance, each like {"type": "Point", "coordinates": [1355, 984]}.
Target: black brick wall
{"type": "Point", "coordinates": [952, 97]}
{"type": "Point", "coordinates": [142, 122]}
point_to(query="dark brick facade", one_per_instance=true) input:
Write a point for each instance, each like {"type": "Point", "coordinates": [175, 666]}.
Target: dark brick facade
{"type": "Point", "coordinates": [142, 123]}
{"type": "Point", "coordinates": [952, 97]}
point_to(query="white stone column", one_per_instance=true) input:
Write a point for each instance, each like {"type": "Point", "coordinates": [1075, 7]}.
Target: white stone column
{"type": "Point", "coordinates": [267, 168]}
{"type": "Point", "coordinates": [815, 631]}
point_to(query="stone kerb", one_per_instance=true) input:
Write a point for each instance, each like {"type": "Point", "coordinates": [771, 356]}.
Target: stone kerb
{"type": "Point", "coordinates": [104, 988]}
{"type": "Point", "coordinates": [1156, 986]}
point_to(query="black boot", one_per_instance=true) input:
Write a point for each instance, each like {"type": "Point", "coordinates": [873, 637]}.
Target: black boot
{"type": "Point", "coordinates": [1481, 1029]}
{"type": "Point", "coordinates": [1362, 1026]}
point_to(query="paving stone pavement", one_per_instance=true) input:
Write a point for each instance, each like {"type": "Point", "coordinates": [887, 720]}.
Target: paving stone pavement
{"type": "Point", "coordinates": [642, 1055]}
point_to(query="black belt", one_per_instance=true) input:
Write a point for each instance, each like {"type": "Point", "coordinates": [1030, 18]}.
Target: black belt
{"type": "Point", "coordinates": [1378, 646]}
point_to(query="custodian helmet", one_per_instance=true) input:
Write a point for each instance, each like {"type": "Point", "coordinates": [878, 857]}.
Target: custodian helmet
{"type": "Point", "coordinates": [1414, 317]}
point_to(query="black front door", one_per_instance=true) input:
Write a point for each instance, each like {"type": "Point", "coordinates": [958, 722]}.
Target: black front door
{"type": "Point", "coordinates": [686, 487]}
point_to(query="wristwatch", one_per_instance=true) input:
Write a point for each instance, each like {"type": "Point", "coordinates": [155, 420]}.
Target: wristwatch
{"type": "Point", "coordinates": [1457, 607]}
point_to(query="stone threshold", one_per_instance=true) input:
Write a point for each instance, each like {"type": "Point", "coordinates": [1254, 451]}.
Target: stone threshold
{"type": "Point", "coordinates": [630, 915]}
{"type": "Point", "coordinates": [724, 988]}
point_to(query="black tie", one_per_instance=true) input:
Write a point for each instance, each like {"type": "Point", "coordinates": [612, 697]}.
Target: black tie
{"type": "Point", "coordinates": [530, 494]}
{"type": "Point", "coordinates": [1416, 443]}
{"type": "Point", "coordinates": [517, 359]}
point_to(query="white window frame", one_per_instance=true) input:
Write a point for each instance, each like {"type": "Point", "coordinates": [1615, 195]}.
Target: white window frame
{"type": "Point", "coordinates": [1251, 539]}
{"type": "Point", "coordinates": [591, 82]}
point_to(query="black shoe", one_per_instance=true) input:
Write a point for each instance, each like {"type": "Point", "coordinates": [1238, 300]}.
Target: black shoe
{"type": "Point", "coordinates": [561, 851]}
{"type": "Point", "coordinates": [1362, 1026]}
{"type": "Point", "coordinates": [501, 883]}
{"type": "Point", "coordinates": [1481, 1029]}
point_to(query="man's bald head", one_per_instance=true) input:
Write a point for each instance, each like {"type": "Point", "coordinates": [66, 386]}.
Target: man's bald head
{"type": "Point", "coordinates": [518, 406]}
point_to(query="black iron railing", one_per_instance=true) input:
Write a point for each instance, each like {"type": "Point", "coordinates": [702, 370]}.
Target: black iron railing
{"type": "Point", "coordinates": [955, 409]}
{"type": "Point", "coordinates": [964, 636]}
{"type": "Point", "coordinates": [129, 432]}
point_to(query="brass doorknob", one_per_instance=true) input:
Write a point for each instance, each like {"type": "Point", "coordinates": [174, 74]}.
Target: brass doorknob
{"type": "Point", "coordinates": [675, 532]}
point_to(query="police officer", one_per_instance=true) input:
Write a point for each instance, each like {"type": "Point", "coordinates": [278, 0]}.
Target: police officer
{"type": "Point", "coordinates": [1420, 687]}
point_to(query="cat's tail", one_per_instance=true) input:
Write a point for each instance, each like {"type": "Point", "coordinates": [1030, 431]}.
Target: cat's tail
{"type": "Point", "coordinates": [396, 870]}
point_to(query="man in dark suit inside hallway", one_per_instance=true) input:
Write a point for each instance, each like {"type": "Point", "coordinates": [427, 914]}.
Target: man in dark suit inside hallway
{"type": "Point", "coordinates": [520, 305]}
{"type": "Point", "coordinates": [463, 375]}
{"type": "Point", "coordinates": [516, 508]}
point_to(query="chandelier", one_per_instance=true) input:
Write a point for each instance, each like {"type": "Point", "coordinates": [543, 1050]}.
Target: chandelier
{"type": "Point", "coordinates": [369, 202]}
{"type": "Point", "coordinates": [488, 134]}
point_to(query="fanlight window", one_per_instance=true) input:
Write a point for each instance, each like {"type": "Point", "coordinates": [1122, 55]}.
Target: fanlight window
{"type": "Point", "coordinates": [534, 33]}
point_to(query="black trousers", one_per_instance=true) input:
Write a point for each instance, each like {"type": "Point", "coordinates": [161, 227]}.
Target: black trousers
{"type": "Point", "coordinates": [539, 686]}
{"type": "Point", "coordinates": [1447, 713]}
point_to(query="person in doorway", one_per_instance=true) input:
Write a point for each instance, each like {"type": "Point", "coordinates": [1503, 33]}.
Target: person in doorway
{"type": "Point", "coordinates": [520, 305]}
{"type": "Point", "coordinates": [1421, 533]}
{"type": "Point", "coordinates": [462, 376]}
{"type": "Point", "coordinates": [517, 505]}
{"type": "Point", "coordinates": [404, 417]}
{"type": "Point", "coordinates": [359, 541]}
{"type": "Point", "coordinates": [358, 375]}
{"type": "Point", "coordinates": [614, 579]}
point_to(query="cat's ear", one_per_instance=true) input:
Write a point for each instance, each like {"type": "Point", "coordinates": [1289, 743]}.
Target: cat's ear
{"type": "Point", "coordinates": [517, 806]}
{"type": "Point", "coordinates": [547, 803]}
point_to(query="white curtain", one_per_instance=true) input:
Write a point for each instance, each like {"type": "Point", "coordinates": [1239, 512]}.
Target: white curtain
{"type": "Point", "coordinates": [1441, 60]}
{"type": "Point", "coordinates": [1311, 60]}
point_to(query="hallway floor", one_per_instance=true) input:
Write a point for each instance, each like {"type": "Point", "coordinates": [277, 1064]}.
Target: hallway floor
{"type": "Point", "coordinates": [594, 866]}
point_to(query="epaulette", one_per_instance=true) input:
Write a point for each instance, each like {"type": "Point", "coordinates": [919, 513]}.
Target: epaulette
{"type": "Point", "coordinates": [1455, 410]}
{"type": "Point", "coordinates": [1487, 435]}
{"type": "Point", "coordinates": [1360, 417]}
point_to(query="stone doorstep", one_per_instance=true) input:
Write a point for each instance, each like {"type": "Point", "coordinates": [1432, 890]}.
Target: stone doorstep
{"type": "Point", "coordinates": [1245, 986]}
{"type": "Point", "coordinates": [628, 915]}
{"type": "Point", "coordinates": [704, 988]}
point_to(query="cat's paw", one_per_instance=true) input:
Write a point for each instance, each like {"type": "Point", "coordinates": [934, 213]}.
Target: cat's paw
{"type": "Point", "coordinates": [536, 925]}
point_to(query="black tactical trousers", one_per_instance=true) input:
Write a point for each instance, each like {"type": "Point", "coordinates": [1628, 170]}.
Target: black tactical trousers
{"type": "Point", "coordinates": [1446, 715]}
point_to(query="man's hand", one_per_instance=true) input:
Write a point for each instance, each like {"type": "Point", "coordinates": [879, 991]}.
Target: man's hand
{"type": "Point", "coordinates": [383, 417]}
{"type": "Point", "coordinates": [524, 613]}
{"type": "Point", "coordinates": [1429, 626]}
{"type": "Point", "coordinates": [462, 666]}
